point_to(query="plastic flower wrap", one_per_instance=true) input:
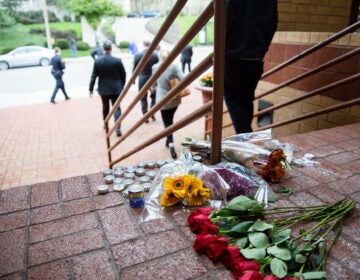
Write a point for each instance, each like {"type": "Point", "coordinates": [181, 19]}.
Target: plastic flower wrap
{"type": "Point", "coordinates": [251, 151]}
{"type": "Point", "coordinates": [184, 182]}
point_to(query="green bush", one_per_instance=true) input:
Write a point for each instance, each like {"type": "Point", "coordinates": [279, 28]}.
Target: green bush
{"type": "Point", "coordinates": [66, 18]}
{"type": "Point", "coordinates": [68, 34]}
{"type": "Point", "coordinates": [31, 17]}
{"type": "Point", "coordinates": [82, 46]}
{"type": "Point", "coordinates": [124, 44]}
{"type": "Point", "coordinates": [62, 43]}
{"type": "Point", "coordinates": [5, 50]}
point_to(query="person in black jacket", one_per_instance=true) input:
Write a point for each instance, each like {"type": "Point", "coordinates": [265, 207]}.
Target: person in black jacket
{"type": "Point", "coordinates": [58, 66]}
{"type": "Point", "coordinates": [145, 75]}
{"type": "Point", "coordinates": [97, 52]}
{"type": "Point", "coordinates": [186, 55]}
{"type": "Point", "coordinates": [250, 27]}
{"type": "Point", "coordinates": [112, 77]}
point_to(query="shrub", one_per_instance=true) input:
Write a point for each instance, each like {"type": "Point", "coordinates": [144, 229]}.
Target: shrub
{"type": "Point", "coordinates": [68, 34]}
{"type": "Point", "coordinates": [124, 44]}
{"type": "Point", "coordinates": [82, 46]}
{"type": "Point", "coordinates": [5, 50]}
{"type": "Point", "coordinates": [66, 18]}
{"type": "Point", "coordinates": [31, 17]}
{"type": "Point", "coordinates": [62, 43]}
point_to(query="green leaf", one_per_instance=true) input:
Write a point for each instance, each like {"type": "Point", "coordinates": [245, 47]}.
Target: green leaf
{"type": "Point", "coordinates": [278, 268]}
{"type": "Point", "coordinates": [281, 253]}
{"type": "Point", "coordinates": [242, 242]}
{"type": "Point", "coordinates": [281, 236]}
{"type": "Point", "coordinates": [284, 190]}
{"type": "Point", "coordinates": [260, 225]}
{"type": "Point", "coordinates": [314, 275]}
{"type": "Point", "coordinates": [254, 253]}
{"type": "Point", "coordinates": [258, 239]}
{"type": "Point", "coordinates": [272, 200]}
{"type": "Point", "coordinates": [240, 202]}
{"type": "Point", "coordinates": [299, 258]}
{"type": "Point", "coordinates": [242, 227]}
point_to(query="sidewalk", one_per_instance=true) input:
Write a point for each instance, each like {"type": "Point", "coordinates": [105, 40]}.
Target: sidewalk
{"type": "Point", "coordinates": [46, 142]}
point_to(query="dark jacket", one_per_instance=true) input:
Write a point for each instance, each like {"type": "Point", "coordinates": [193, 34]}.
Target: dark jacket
{"type": "Point", "coordinates": [146, 71]}
{"type": "Point", "coordinates": [58, 63]}
{"type": "Point", "coordinates": [186, 54]}
{"type": "Point", "coordinates": [111, 73]}
{"type": "Point", "coordinates": [250, 27]}
{"type": "Point", "coordinates": [96, 53]}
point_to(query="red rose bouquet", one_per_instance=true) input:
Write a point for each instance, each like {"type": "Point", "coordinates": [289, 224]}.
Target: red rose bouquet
{"type": "Point", "coordinates": [252, 248]}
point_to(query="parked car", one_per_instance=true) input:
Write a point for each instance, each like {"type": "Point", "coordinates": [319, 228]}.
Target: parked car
{"type": "Point", "coordinates": [132, 14]}
{"type": "Point", "coordinates": [26, 56]}
{"type": "Point", "coordinates": [149, 14]}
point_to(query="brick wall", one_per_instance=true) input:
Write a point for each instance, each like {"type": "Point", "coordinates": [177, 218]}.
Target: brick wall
{"type": "Point", "coordinates": [314, 15]}
{"type": "Point", "coordinates": [286, 45]}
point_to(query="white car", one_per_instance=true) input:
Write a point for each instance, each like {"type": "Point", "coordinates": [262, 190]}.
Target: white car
{"type": "Point", "coordinates": [26, 56]}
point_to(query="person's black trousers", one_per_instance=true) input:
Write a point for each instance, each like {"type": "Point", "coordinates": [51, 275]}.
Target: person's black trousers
{"type": "Point", "coordinates": [168, 119]}
{"type": "Point", "coordinates": [240, 80]}
{"type": "Point", "coordinates": [106, 107]}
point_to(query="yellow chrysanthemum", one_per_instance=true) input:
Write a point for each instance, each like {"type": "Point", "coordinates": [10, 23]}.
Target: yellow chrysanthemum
{"type": "Point", "coordinates": [169, 199]}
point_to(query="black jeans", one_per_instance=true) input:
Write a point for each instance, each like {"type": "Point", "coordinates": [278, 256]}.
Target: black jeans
{"type": "Point", "coordinates": [183, 64]}
{"type": "Point", "coordinates": [240, 81]}
{"type": "Point", "coordinates": [168, 119]}
{"type": "Point", "coordinates": [106, 107]}
{"type": "Point", "coordinates": [59, 85]}
{"type": "Point", "coordinates": [143, 100]}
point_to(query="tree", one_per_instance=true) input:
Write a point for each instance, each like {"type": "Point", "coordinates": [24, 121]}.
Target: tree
{"type": "Point", "coordinates": [10, 5]}
{"type": "Point", "coordinates": [5, 19]}
{"type": "Point", "coordinates": [93, 10]}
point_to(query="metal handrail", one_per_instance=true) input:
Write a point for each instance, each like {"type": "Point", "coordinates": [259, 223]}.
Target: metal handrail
{"type": "Point", "coordinates": [210, 60]}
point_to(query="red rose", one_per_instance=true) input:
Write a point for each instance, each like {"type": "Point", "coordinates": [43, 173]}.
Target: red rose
{"type": "Point", "coordinates": [202, 242]}
{"type": "Point", "coordinates": [251, 275]}
{"type": "Point", "coordinates": [217, 249]}
{"type": "Point", "coordinates": [249, 265]}
{"type": "Point", "coordinates": [270, 277]}
{"type": "Point", "coordinates": [200, 224]}
{"type": "Point", "coordinates": [230, 256]}
{"type": "Point", "coordinates": [205, 210]}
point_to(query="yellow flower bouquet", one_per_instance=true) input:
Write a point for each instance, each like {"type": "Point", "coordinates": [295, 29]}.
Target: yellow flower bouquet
{"type": "Point", "coordinates": [186, 188]}
{"type": "Point", "coordinates": [207, 80]}
{"type": "Point", "coordinates": [184, 182]}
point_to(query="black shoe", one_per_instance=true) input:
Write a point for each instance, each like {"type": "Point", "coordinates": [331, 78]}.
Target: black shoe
{"type": "Point", "coordinates": [67, 98]}
{"type": "Point", "coordinates": [52, 101]}
{"type": "Point", "coordinates": [173, 153]}
{"type": "Point", "coordinates": [118, 133]}
{"type": "Point", "coordinates": [153, 118]}
{"type": "Point", "coordinates": [146, 121]}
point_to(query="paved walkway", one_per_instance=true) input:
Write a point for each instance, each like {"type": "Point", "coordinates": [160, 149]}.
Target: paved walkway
{"type": "Point", "coordinates": [46, 142]}
{"type": "Point", "coordinates": [62, 229]}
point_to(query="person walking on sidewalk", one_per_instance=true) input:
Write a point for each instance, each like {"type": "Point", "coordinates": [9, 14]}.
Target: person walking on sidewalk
{"type": "Point", "coordinates": [162, 89]}
{"type": "Point", "coordinates": [58, 66]}
{"type": "Point", "coordinates": [145, 75]}
{"type": "Point", "coordinates": [112, 77]}
{"type": "Point", "coordinates": [186, 55]}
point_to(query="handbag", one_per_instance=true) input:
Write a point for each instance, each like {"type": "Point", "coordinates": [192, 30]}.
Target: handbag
{"type": "Point", "coordinates": [185, 92]}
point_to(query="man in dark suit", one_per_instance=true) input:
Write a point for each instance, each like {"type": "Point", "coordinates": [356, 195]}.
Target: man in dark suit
{"type": "Point", "coordinates": [186, 55]}
{"type": "Point", "coordinates": [58, 66]}
{"type": "Point", "coordinates": [112, 77]}
{"type": "Point", "coordinates": [145, 75]}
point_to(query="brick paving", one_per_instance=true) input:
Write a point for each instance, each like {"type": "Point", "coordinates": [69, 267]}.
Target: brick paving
{"type": "Point", "coordinates": [58, 227]}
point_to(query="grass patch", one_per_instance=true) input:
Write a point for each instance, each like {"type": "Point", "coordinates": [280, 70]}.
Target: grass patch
{"type": "Point", "coordinates": [184, 23]}
{"type": "Point", "coordinates": [22, 37]}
